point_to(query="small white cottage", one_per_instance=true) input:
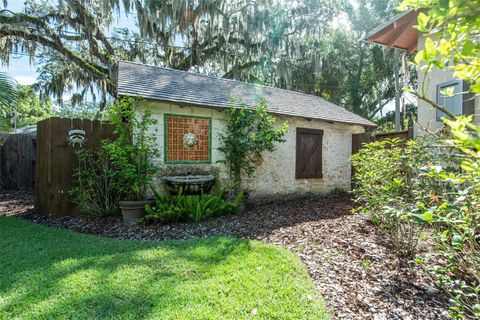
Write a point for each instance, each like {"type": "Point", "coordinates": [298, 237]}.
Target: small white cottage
{"type": "Point", "coordinates": [314, 158]}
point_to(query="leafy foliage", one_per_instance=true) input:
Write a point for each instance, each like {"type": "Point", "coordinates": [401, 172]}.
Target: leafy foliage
{"type": "Point", "coordinates": [27, 110]}
{"type": "Point", "coordinates": [133, 151]}
{"type": "Point", "coordinates": [450, 205]}
{"type": "Point", "coordinates": [428, 184]}
{"type": "Point", "coordinates": [385, 175]}
{"type": "Point", "coordinates": [408, 118]}
{"type": "Point", "coordinates": [82, 110]}
{"type": "Point", "coordinates": [95, 191]}
{"type": "Point", "coordinates": [8, 93]}
{"type": "Point", "coordinates": [191, 207]}
{"type": "Point", "coordinates": [451, 31]}
{"type": "Point", "coordinates": [363, 74]}
{"type": "Point", "coordinates": [249, 132]}
{"type": "Point", "coordinates": [119, 169]}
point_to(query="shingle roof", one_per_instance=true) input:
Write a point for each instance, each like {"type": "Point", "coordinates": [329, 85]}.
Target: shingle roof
{"type": "Point", "coordinates": [157, 83]}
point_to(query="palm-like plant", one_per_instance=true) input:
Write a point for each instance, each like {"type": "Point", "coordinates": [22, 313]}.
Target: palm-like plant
{"type": "Point", "coordinates": [9, 93]}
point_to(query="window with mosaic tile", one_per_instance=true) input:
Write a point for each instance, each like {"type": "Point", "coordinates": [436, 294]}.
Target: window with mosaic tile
{"type": "Point", "coordinates": [187, 139]}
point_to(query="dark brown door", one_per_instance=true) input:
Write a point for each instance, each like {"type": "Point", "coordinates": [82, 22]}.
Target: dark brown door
{"type": "Point", "coordinates": [309, 154]}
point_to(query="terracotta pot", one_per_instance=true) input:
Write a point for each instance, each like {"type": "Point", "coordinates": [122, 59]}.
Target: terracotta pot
{"type": "Point", "coordinates": [132, 211]}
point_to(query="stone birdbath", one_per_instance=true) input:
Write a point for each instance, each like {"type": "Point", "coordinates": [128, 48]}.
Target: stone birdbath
{"type": "Point", "coordinates": [189, 184]}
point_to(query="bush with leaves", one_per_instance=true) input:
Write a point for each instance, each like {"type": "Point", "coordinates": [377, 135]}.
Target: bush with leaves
{"type": "Point", "coordinates": [249, 132]}
{"type": "Point", "coordinates": [450, 205]}
{"type": "Point", "coordinates": [433, 185]}
{"type": "Point", "coordinates": [451, 30]}
{"type": "Point", "coordinates": [385, 175]}
{"type": "Point", "coordinates": [95, 191]}
{"type": "Point", "coordinates": [191, 207]}
{"type": "Point", "coordinates": [132, 153]}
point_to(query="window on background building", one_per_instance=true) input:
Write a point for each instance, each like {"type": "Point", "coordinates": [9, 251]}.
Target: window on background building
{"type": "Point", "coordinates": [309, 154]}
{"type": "Point", "coordinates": [454, 95]}
{"type": "Point", "coordinates": [187, 139]}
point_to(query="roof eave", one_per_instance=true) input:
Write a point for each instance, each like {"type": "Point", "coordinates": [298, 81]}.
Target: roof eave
{"type": "Point", "coordinates": [222, 107]}
{"type": "Point", "coordinates": [399, 27]}
{"type": "Point", "coordinates": [385, 25]}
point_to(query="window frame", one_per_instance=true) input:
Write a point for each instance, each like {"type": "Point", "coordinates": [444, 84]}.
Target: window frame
{"type": "Point", "coordinates": [165, 145]}
{"type": "Point", "coordinates": [458, 95]}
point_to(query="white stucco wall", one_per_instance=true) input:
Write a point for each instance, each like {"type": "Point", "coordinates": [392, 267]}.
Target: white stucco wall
{"type": "Point", "coordinates": [275, 176]}
{"type": "Point", "coordinates": [427, 115]}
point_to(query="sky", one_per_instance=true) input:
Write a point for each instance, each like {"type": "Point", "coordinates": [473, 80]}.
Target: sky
{"type": "Point", "coordinates": [20, 67]}
{"type": "Point", "coordinates": [24, 71]}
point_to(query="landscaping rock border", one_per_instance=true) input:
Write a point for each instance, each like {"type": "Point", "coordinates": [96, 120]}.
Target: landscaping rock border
{"type": "Point", "coordinates": [347, 257]}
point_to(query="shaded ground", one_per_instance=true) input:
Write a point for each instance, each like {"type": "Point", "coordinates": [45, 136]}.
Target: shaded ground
{"type": "Point", "coordinates": [347, 258]}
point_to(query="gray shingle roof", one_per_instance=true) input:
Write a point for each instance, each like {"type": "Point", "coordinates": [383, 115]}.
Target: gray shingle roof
{"type": "Point", "coordinates": [157, 83]}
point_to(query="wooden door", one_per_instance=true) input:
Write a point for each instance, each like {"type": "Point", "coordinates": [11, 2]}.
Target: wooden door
{"type": "Point", "coordinates": [309, 154]}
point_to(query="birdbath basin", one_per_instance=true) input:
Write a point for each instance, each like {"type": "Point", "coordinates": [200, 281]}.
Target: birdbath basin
{"type": "Point", "coordinates": [191, 184]}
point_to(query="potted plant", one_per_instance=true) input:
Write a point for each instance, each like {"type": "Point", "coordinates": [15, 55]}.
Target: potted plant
{"type": "Point", "coordinates": [249, 132]}
{"type": "Point", "coordinates": [132, 155]}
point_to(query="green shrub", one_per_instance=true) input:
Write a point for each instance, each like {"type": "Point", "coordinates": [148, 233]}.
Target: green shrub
{"type": "Point", "coordinates": [385, 176]}
{"type": "Point", "coordinates": [450, 204]}
{"type": "Point", "coordinates": [133, 151]}
{"type": "Point", "coordinates": [191, 207]}
{"type": "Point", "coordinates": [249, 132]}
{"type": "Point", "coordinates": [95, 180]}
{"type": "Point", "coordinates": [430, 184]}
{"type": "Point", "coordinates": [121, 169]}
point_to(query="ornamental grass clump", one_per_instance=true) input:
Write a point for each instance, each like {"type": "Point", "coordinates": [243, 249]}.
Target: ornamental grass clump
{"type": "Point", "coordinates": [95, 191]}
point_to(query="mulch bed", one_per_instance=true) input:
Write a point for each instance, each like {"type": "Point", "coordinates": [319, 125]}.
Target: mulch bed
{"type": "Point", "coordinates": [348, 259]}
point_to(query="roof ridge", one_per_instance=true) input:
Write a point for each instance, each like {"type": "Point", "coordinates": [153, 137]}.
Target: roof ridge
{"type": "Point", "coordinates": [231, 80]}
{"type": "Point", "coordinates": [283, 101]}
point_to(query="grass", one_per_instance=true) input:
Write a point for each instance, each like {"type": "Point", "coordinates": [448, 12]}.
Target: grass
{"type": "Point", "coordinates": [48, 273]}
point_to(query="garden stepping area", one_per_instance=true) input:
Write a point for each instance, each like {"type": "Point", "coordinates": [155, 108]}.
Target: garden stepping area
{"type": "Point", "coordinates": [347, 257]}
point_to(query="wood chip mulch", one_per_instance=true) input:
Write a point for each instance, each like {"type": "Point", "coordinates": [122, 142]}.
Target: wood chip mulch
{"type": "Point", "coordinates": [347, 257]}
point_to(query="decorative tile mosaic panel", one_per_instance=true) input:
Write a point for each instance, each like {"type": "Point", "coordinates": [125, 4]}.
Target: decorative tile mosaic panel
{"type": "Point", "coordinates": [187, 139]}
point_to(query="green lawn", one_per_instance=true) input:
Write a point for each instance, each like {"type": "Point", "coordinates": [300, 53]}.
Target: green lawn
{"type": "Point", "coordinates": [48, 273]}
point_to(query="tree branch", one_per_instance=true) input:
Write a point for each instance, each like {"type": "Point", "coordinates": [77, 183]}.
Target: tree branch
{"type": "Point", "coordinates": [378, 109]}
{"type": "Point", "coordinates": [90, 21]}
{"type": "Point", "coordinates": [95, 71]}
{"type": "Point", "coordinates": [231, 73]}
{"type": "Point", "coordinates": [434, 104]}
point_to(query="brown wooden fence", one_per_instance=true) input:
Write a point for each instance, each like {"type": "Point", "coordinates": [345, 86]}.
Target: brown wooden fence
{"type": "Point", "coordinates": [367, 137]}
{"type": "Point", "coordinates": [17, 161]}
{"type": "Point", "coordinates": [57, 141]}
{"type": "Point", "coordinates": [359, 139]}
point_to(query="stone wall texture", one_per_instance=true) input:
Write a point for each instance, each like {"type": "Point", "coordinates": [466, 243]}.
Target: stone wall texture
{"type": "Point", "coordinates": [275, 174]}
